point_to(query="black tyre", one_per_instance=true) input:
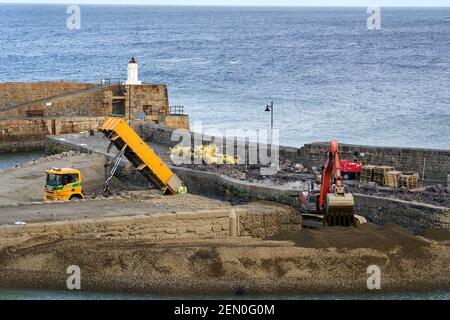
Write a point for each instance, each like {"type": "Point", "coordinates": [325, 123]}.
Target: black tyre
{"type": "Point", "coordinates": [76, 197]}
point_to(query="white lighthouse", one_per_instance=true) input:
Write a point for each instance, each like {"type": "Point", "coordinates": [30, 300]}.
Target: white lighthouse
{"type": "Point", "coordinates": [133, 73]}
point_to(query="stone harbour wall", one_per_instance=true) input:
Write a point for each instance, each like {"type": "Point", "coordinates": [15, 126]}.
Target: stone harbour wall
{"type": "Point", "coordinates": [27, 100]}
{"type": "Point", "coordinates": [200, 224]}
{"type": "Point", "coordinates": [412, 215]}
{"type": "Point", "coordinates": [59, 99]}
{"type": "Point", "coordinates": [234, 190]}
{"type": "Point", "coordinates": [30, 111]}
{"type": "Point", "coordinates": [27, 135]}
{"type": "Point", "coordinates": [432, 165]}
{"type": "Point", "coordinates": [180, 225]}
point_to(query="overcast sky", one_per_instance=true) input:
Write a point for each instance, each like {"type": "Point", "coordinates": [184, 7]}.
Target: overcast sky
{"type": "Point", "coordinates": [383, 3]}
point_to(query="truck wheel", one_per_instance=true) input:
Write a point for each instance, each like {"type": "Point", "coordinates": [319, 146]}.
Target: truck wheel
{"type": "Point", "coordinates": [75, 197]}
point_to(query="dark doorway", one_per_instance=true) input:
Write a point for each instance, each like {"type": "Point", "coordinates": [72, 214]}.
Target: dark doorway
{"type": "Point", "coordinates": [118, 107]}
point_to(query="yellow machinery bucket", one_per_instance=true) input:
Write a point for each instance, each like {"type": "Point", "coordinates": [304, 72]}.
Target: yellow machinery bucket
{"type": "Point", "coordinates": [339, 210]}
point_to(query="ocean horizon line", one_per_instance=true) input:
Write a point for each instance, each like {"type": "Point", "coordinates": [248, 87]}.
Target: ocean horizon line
{"type": "Point", "coordinates": [215, 5]}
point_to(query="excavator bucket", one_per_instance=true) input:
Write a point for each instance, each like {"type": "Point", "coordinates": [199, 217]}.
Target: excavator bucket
{"type": "Point", "coordinates": [339, 209]}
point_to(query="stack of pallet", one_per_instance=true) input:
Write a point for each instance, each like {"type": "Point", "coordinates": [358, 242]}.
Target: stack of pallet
{"type": "Point", "coordinates": [379, 172]}
{"type": "Point", "coordinates": [391, 179]}
{"type": "Point", "coordinates": [410, 180]}
{"type": "Point", "coordinates": [367, 173]}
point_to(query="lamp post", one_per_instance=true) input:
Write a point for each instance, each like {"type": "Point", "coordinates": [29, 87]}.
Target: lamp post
{"type": "Point", "coordinates": [129, 104]}
{"type": "Point", "coordinates": [127, 90]}
{"type": "Point", "coordinates": [269, 108]}
{"type": "Point", "coordinates": [6, 100]}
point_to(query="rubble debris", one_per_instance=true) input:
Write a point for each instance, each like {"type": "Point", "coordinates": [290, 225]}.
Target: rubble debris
{"type": "Point", "coordinates": [57, 156]}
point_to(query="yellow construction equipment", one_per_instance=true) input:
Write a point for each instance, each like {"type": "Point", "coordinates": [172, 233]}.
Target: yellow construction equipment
{"type": "Point", "coordinates": [63, 184]}
{"type": "Point", "coordinates": [141, 156]}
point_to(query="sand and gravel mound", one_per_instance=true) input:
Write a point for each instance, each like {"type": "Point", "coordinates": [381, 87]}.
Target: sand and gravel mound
{"type": "Point", "coordinates": [248, 266]}
{"type": "Point", "coordinates": [383, 238]}
{"type": "Point", "coordinates": [437, 234]}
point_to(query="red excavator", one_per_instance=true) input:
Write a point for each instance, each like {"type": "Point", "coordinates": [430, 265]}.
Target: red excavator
{"type": "Point", "coordinates": [331, 205]}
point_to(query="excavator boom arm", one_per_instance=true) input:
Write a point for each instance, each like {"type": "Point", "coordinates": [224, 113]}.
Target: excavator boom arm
{"type": "Point", "coordinates": [333, 201]}
{"type": "Point", "coordinates": [331, 173]}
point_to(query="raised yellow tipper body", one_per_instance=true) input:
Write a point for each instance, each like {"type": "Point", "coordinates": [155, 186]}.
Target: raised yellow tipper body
{"type": "Point", "coordinates": [63, 184]}
{"type": "Point", "coordinates": [141, 156]}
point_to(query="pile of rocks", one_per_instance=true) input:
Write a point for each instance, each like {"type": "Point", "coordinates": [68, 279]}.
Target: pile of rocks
{"type": "Point", "coordinates": [289, 166]}
{"type": "Point", "coordinates": [61, 155]}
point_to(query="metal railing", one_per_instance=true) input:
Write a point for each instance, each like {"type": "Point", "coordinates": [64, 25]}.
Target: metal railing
{"type": "Point", "coordinates": [176, 110]}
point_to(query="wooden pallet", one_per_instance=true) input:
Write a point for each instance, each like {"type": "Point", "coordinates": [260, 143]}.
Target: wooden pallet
{"type": "Point", "coordinates": [410, 180]}
{"type": "Point", "coordinates": [379, 172]}
{"type": "Point", "coordinates": [367, 173]}
{"type": "Point", "coordinates": [391, 178]}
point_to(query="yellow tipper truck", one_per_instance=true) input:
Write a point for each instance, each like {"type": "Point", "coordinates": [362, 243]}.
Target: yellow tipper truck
{"type": "Point", "coordinates": [63, 184]}
{"type": "Point", "coordinates": [141, 156]}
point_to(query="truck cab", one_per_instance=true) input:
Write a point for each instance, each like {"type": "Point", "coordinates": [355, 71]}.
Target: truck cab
{"type": "Point", "coordinates": [351, 169]}
{"type": "Point", "coordinates": [63, 184]}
